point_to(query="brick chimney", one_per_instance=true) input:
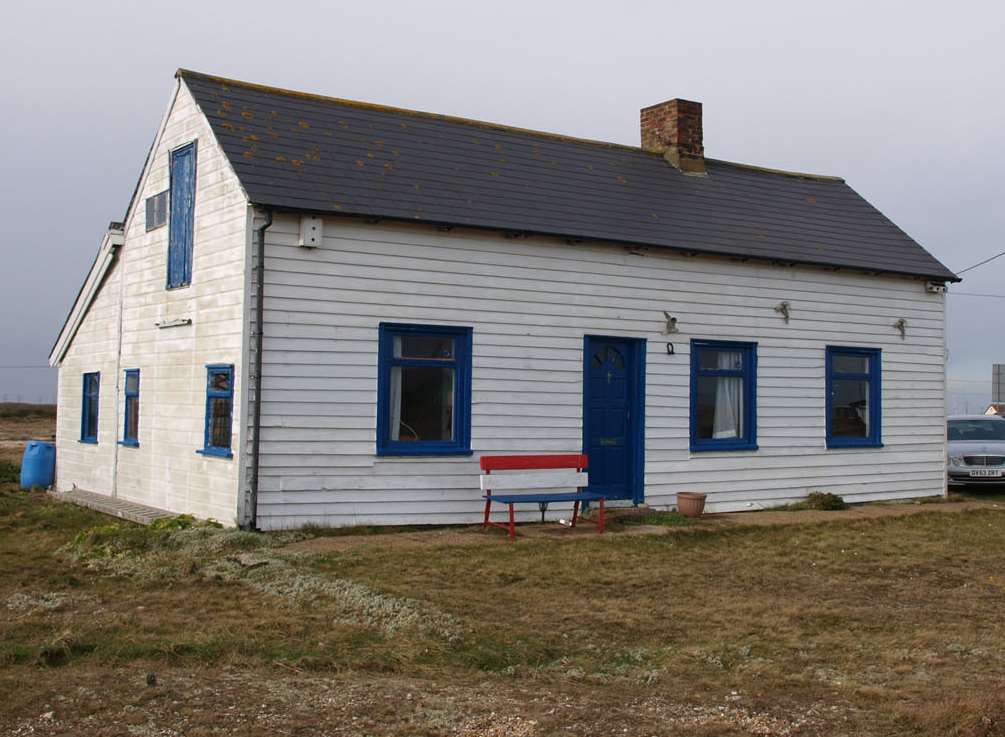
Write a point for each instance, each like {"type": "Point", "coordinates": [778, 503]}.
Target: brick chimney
{"type": "Point", "coordinates": [673, 128]}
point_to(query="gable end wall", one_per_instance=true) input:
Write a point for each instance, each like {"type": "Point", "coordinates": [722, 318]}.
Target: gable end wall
{"type": "Point", "coordinates": [164, 471]}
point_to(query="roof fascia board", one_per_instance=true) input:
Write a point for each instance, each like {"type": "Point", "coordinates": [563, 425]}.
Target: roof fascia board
{"type": "Point", "coordinates": [137, 194]}
{"type": "Point", "coordinates": [110, 245]}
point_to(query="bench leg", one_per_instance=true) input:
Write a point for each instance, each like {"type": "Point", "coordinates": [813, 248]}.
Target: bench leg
{"type": "Point", "coordinates": [512, 523]}
{"type": "Point", "coordinates": [575, 513]}
{"type": "Point", "coordinates": [600, 517]}
{"type": "Point", "coordinates": [488, 507]}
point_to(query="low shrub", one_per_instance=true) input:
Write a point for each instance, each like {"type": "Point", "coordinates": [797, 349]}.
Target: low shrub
{"type": "Point", "coordinates": [825, 501]}
{"type": "Point", "coordinates": [818, 500]}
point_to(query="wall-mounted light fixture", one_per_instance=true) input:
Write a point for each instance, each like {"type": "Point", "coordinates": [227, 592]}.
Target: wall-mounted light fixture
{"type": "Point", "coordinates": [671, 323]}
{"type": "Point", "coordinates": [901, 325]}
{"type": "Point", "coordinates": [783, 309]}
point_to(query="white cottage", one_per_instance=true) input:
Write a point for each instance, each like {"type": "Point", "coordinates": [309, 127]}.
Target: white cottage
{"type": "Point", "coordinates": [324, 311]}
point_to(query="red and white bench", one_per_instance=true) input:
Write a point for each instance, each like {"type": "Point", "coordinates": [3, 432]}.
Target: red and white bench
{"type": "Point", "coordinates": [534, 478]}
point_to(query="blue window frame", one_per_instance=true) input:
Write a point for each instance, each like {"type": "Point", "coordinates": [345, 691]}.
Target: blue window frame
{"type": "Point", "coordinates": [723, 395]}
{"type": "Point", "coordinates": [854, 397]}
{"type": "Point", "coordinates": [89, 408]}
{"type": "Point", "coordinates": [182, 216]}
{"type": "Point", "coordinates": [131, 425]}
{"type": "Point", "coordinates": [219, 410]}
{"type": "Point", "coordinates": [423, 390]}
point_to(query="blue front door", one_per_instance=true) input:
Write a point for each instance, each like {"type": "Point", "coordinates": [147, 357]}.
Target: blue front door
{"type": "Point", "coordinates": [612, 421]}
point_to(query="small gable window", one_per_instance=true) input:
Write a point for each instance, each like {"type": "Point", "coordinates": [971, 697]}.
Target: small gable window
{"type": "Point", "coordinates": [219, 410]}
{"type": "Point", "coordinates": [424, 390]}
{"type": "Point", "coordinates": [131, 429]}
{"type": "Point", "coordinates": [89, 408]}
{"type": "Point", "coordinates": [723, 395]}
{"type": "Point", "coordinates": [854, 402]}
{"type": "Point", "coordinates": [157, 210]}
{"type": "Point", "coordinates": [182, 216]}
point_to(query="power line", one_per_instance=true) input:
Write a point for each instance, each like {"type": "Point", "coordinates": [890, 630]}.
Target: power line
{"type": "Point", "coordinates": [977, 294]}
{"type": "Point", "coordinates": [981, 263]}
{"type": "Point", "coordinates": [24, 366]}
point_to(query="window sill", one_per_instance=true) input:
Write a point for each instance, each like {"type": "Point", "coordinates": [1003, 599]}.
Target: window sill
{"type": "Point", "coordinates": [855, 445]}
{"type": "Point", "coordinates": [216, 452]}
{"type": "Point", "coordinates": [130, 443]}
{"type": "Point", "coordinates": [88, 441]}
{"type": "Point", "coordinates": [173, 287]}
{"type": "Point", "coordinates": [422, 452]}
{"type": "Point", "coordinates": [724, 448]}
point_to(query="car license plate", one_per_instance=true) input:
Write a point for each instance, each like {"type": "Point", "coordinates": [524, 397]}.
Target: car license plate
{"type": "Point", "coordinates": [987, 473]}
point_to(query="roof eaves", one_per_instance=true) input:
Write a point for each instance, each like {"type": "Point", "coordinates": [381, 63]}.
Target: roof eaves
{"type": "Point", "coordinates": [578, 238]}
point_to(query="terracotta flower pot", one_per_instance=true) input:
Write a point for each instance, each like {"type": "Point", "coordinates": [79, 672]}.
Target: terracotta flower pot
{"type": "Point", "coordinates": [690, 503]}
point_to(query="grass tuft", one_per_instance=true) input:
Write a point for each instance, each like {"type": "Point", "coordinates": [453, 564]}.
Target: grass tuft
{"type": "Point", "coordinates": [9, 473]}
{"type": "Point", "coordinates": [61, 649]}
{"type": "Point", "coordinates": [662, 519]}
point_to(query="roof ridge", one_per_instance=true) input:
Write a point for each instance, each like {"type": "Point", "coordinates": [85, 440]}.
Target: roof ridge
{"type": "Point", "coordinates": [183, 73]}
{"type": "Point", "coordinates": [779, 172]}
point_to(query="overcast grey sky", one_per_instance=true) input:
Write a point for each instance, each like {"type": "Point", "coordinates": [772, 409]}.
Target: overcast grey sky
{"type": "Point", "coordinates": [903, 99]}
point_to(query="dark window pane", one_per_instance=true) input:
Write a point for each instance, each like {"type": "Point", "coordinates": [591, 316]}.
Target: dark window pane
{"type": "Point", "coordinates": [710, 358]}
{"type": "Point", "coordinates": [91, 429]}
{"type": "Point", "coordinates": [92, 383]}
{"type": "Point", "coordinates": [719, 408]}
{"type": "Point", "coordinates": [850, 363]}
{"type": "Point", "coordinates": [132, 417]}
{"type": "Point", "coordinates": [421, 403]}
{"type": "Point", "coordinates": [219, 423]}
{"type": "Point", "coordinates": [132, 383]}
{"type": "Point", "coordinates": [220, 381]}
{"type": "Point", "coordinates": [849, 408]}
{"type": "Point", "coordinates": [424, 346]}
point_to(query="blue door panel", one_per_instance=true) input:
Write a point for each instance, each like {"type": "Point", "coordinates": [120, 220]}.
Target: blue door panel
{"type": "Point", "coordinates": [608, 438]}
{"type": "Point", "coordinates": [182, 218]}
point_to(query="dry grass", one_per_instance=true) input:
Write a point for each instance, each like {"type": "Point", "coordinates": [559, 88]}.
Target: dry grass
{"type": "Point", "coordinates": [18, 423]}
{"type": "Point", "coordinates": [879, 627]}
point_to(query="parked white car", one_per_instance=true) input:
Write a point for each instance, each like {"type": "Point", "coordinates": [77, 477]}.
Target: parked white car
{"type": "Point", "coordinates": [976, 449]}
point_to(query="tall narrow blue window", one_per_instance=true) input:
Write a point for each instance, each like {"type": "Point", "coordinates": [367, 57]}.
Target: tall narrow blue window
{"type": "Point", "coordinates": [182, 219]}
{"type": "Point", "coordinates": [219, 410]}
{"type": "Point", "coordinates": [131, 427]}
{"type": "Point", "coordinates": [89, 408]}
{"type": "Point", "coordinates": [723, 395]}
{"type": "Point", "coordinates": [424, 390]}
{"type": "Point", "coordinates": [854, 398]}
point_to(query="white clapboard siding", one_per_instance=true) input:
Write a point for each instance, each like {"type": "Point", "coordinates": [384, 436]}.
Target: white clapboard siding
{"type": "Point", "coordinates": [165, 471]}
{"type": "Point", "coordinates": [525, 480]}
{"type": "Point", "coordinates": [530, 302]}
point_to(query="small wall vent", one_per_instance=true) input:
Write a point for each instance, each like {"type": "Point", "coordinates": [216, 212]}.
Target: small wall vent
{"type": "Point", "coordinates": [310, 232]}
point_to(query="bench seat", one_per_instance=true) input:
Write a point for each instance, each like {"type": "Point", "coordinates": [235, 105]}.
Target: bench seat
{"type": "Point", "coordinates": [571, 496]}
{"type": "Point", "coordinates": [536, 477]}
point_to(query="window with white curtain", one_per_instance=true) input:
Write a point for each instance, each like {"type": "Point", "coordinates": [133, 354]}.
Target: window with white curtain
{"type": "Point", "coordinates": [424, 390]}
{"type": "Point", "coordinates": [723, 395]}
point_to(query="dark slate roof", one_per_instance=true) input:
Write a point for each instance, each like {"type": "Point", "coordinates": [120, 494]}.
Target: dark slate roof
{"type": "Point", "coordinates": [294, 151]}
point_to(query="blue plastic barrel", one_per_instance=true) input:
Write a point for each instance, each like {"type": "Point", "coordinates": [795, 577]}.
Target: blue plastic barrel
{"type": "Point", "coordinates": [38, 467]}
